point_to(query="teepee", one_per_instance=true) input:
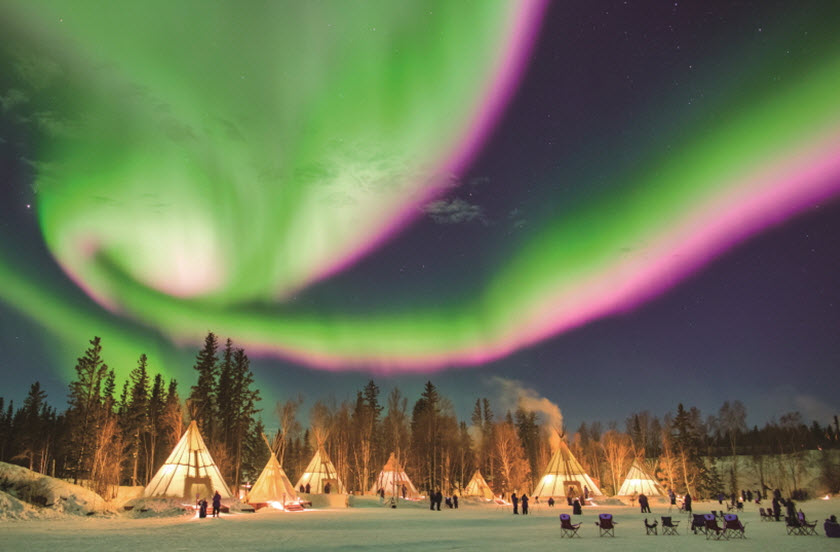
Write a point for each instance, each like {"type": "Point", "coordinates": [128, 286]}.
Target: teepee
{"type": "Point", "coordinates": [478, 487]}
{"type": "Point", "coordinates": [188, 472]}
{"type": "Point", "coordinates": [565, 472]}
{"type": "Point", "coordinates": [638, 481]}
{"type": "Point", "coordinates": [392, 478]}
{"type": "Point", "coordinates": [272, 485]}
{"type": "Point", "coordinates": [319, 472]}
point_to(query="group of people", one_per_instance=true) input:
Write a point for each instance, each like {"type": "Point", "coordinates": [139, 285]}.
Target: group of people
{"type": "Point", "coordinates": [516, 500]}
{"type": "Point", "coordinates": [436, 499]}
{"type": "Point", "coordinates": [202, 505]}
{"type": "Point", "coordinates": [306, 488]}
{"type": "Point", "coordinates": [381, 493]}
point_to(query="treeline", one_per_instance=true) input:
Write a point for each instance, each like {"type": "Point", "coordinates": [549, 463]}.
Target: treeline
{"type": "Point", "coordinates": [107, 437]}
{"type": "Point", "coordinates": [108, 440]}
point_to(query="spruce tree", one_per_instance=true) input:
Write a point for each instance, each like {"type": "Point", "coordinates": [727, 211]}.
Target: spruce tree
{"type": "Point", "coordinates": [30, 425]}
{"type": "Point", "coordinates": [156, 409]}
{"type": "Point", "coordinates": [243, 407]}
{"type": "Point", "coordinates": [135, 419]}
{"type": "Point", "coordinates": [84, 414]}
{"type": "Point", "coordinates": [202, 395]}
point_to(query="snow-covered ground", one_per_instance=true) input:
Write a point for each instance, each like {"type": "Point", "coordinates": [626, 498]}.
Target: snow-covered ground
{"type": "Point", "coordinates": [472, 527]}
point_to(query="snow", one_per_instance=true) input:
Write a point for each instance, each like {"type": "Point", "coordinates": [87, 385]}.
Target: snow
{"type": "Point", "coordinates": [38, 513]}
{"type": "Point", "coordinates": [411, 527]}
{"type": "Point", "coordinates": [53, 495]}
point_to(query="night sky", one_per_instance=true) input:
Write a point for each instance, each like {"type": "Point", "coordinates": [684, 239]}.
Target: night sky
{"type": "Point", "coordinates": [617, 206]}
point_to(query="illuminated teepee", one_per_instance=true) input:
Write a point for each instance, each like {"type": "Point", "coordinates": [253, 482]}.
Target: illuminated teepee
{"type": "Point", "coordinates": [638, 481]}
{"type": "Point", "coordinates": [319, 473]}
{"type": "Point", "coordinates": [563, 473]}
{"type": "Point", "coordinates": [393, 478]}
{"type": "Point", "coordinates": [478, 487]}
{"type": "Point", "coordinates": [189, 472]}
{"type": "Point", "coordinates": [272, 485]}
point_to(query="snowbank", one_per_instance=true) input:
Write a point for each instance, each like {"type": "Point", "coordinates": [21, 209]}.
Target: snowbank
{"type": "Point", "coordinates": [48, 492]}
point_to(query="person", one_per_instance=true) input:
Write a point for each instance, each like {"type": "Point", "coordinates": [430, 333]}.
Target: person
{"type": "Point", "coordinates": [307, 489]}
{"type": "Point", "coordinates": [687, 502]}
{"type": "Point", "coordinates": [791, 509]}
{"type": "Point", "coordinates": [576, 509]}
{"type": "Point", "coordinates": [777, 508]}
{"type": "Point", "coordinates": [571, 495]}
{"type": "Point", "coordinates": [449, 502]}
{"type": "Point", "coordinates": [524, 504]}
{"type": "Point", "coordinates": [404, 491]}
{"type": "Point", "coordinates": [643, 503]}
{"type": "Point", "coordinates": [720, 498]}
{"type": "Point", "coordinates": [831, 527]}
{"type": "Point", "coordinates": [673, 496]}
{"type": "Point", "coordinates": [438, 499]}
{"type": "Point", "coordinates": [217, 504]}
{"type": "Point", "coordinates": [551, 502]}
{"type": "Point", "coordinates": [381, 494]}
{"type": "Point", "coordinates": [202, 509]}
{"type": "Point", "coordinates": [455, 500]}
{"type": "Point", "coordinates": [432, 499]}
{"type": "Point", "coordinates": [585, 492]}
{"type": "Point", "coordinates": [515, 500]}
{"type": "Point", "coordinates": [327, 488]}
{"type": "Point", "coordinates": [302, 488]}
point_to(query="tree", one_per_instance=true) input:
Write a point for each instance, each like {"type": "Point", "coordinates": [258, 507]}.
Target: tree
{"type": "Point", "coordinates": [513, 467]}
{"type": "Point", "coordinates": [202, 400]}
{"type": "Point", "coordinates": [732, 420]}
{"type": "Point", "coordinates": [30, 426]}
{"type": "Point", "coordinates": [156, 425]}
{"type": "Point", "coordinates": [686, 439]}
{"type": "Point", "coordinates": [243, 409]}
{"type": "Point", "coordinates": [396, 428]}
{"type": "Point", "coordinates": [84, 414]}
{"type": "Point", "coordinates": [426, 437]}
{"type": "Point", "coordinates": [365, 426]}
{"type": "Point", "coordinates": [529, 434]}
{"type": "Point", "coordinates": [289, 426]}
{"type": "Point", "coordinates": [135, 418]}
{"type": "Point", "coordinates": [617, 448]}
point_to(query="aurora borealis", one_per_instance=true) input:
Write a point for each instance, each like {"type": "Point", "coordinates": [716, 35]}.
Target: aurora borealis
{"type": "Point", "coordinates": [270, 172]}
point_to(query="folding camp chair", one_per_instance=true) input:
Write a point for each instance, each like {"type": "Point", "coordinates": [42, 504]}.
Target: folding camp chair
{"type": "Point", "coordinates": [713, 530]}
{"type": "Point", "coordinates": [733, 527]}
{"type": "Point", "coordinates": [651, 528]}
{"type": "Point", "coordinates": [808, 528]}
{"type": "Point", "coordinates": [567, 528]}
{"type": "Point", "coordinates": [606, 525]}
{"type": "Point", "coordinates": [669, 527]}
{"type": "Point", "coordinates": [793, 526]}
{"type": "Point", "coordinates": [765, 515]}
{"type": "Point", "coordinates": [698, 523]}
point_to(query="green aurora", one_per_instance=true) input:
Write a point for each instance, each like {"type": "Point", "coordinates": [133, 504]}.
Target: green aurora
{"type": "Point", "coordinates": [199, 181]}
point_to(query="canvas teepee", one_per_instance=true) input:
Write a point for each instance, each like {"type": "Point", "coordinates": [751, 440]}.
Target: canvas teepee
{"type": "Point", "coordinates": [188, 472]}
{"type": "Point", "coordinates": [564, 472]}
{"type": "Point", "coordinates": [319, 472]}
{"type": "Point", "coordinates": [478, 487]}
{"type": "Point", "coordinates": [638, 481]}
{"type": "Point", "coordinates": [272, 485]}
{"type": "Point", "coordinates": [392, 478]}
